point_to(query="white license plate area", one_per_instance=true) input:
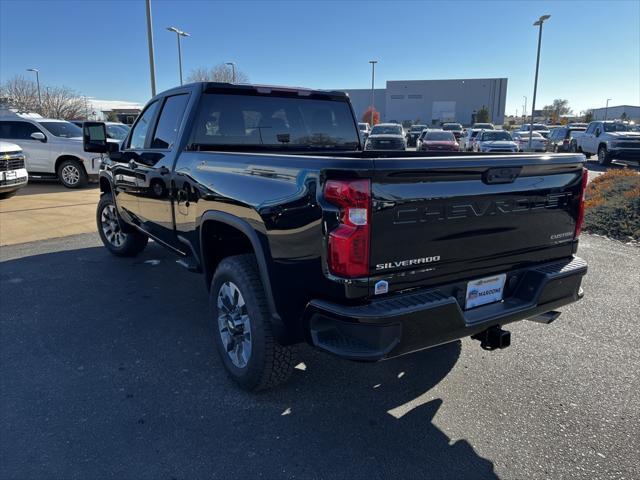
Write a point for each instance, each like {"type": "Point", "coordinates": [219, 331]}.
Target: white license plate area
{"type": "Point", "coordinates": [485, 290]}
{"type": "Point", "coordinates": [11, 175]}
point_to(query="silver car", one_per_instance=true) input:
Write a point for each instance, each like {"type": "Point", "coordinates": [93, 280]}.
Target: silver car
{"type": "Point", "coordinates": [538, 142]}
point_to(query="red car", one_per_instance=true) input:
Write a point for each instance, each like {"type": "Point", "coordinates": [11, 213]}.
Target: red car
{"type": "Point", "coordinates": [438, 140]}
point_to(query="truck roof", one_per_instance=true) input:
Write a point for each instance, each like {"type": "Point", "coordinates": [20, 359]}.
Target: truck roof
{"type": "Point", "coordinates": [220, 87]}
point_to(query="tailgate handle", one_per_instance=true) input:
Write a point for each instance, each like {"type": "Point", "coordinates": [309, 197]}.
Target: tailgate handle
{"type": "Point", "coordinates": [501, 175]}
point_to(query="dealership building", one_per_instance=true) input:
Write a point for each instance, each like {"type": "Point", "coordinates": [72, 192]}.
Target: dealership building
{"type": "Point", "coordinates": [432, 102]}
{"type": "Point", "coordinates": [617, 112]}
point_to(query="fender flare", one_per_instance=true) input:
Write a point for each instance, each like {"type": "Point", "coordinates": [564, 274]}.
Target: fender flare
{"type": "Point", "coordinates": [244, 227]}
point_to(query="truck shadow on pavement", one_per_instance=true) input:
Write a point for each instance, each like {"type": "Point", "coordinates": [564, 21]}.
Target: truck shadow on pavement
{"type": "Point", "coordinates": [109, 370]}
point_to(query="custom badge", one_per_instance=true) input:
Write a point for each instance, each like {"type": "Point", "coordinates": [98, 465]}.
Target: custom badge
{"type": "Point", "coordinates": [381, 287]}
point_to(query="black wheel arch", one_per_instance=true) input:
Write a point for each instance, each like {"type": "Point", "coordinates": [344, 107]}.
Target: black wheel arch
{"type": "Point", "coordinates": [259, 250]}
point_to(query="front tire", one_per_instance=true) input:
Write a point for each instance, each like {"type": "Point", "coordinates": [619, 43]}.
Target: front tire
{"type": "Point", "coordinates": [72, 174]}
{"type": "Point", "coordinates": [603, 156]}
{"type": "Point", "coordinates": [118, 242]}
{"type": "Point", "coordinates": [243, 335]}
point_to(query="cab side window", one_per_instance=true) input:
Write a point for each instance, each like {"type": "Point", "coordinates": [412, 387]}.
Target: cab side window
{"type": "Point", "coordinates": [140, 131]}
{"type": "Point", "coordinates": [17, 130]}
{"type": "Point", "coordinates": [169, 122]}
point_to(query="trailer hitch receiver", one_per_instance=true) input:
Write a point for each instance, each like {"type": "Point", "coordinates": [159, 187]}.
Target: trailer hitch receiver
{"type": "Point", "coordinates": [493, 338]}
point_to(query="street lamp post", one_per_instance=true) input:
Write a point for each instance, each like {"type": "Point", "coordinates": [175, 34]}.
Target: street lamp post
{"type": "Point", "coordinates": [524, 110]}
{"type": "Point", "coordinates": [179, 33]}
{"type": "Point", "coordinates": [233, 71]}
{"type": "Point", "coordinates": [606, 109]}
{"type": "Point", "coordinates": [373, 72]}
{"type": "Point", "coordinates": [152, 65]}
{"type": "Point", "coordinates": [538, 23]}
{"type": "Point", "coordinates": [37, 72]}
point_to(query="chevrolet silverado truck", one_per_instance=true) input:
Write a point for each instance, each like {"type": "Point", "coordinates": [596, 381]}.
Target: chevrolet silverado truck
{"type": "Point", "coordinates": [301, 235]}
{"type": "Point", "coordinates": [609, 140]}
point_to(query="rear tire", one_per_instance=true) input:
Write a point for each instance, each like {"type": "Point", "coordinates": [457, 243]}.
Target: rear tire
{"type": "Point", "coordinates": [243, 334]}
{"type": "Point", "coordinates": [118, 242]}
{"type": "Point", "coordinates": [603, 156]}
{"type": "Point", "coordinates": [72, 174]}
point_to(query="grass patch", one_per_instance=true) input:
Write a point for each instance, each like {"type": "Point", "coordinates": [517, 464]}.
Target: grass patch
{"type": "Point", "coordinates": [612, 205]}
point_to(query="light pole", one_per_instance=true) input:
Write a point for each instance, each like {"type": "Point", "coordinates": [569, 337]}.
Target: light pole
{"type": "Point", "coordinates": [524, 110]}
{"type": "Point", "coordinates": [538, 23]}
{"type": "Point", "coordinates": [179, 33]}
{"type": "Point", "coordinates": [233, 71]}
{"type": "Point", "coordinates": [38, 84]}
{"type": "Point", "coordinates": [152, 65]}
{"type": "Point", "coordinates": [606, 109]}
{"type": "Point", "coordinates": [373, 73]}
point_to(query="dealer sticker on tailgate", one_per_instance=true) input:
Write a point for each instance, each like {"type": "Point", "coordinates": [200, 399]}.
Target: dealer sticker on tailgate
{"type": "Point", "coordinates": [485, 290]}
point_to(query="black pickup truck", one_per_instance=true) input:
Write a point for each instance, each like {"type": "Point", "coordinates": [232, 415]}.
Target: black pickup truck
{"type": "Point", "coordinates": [302, 236]}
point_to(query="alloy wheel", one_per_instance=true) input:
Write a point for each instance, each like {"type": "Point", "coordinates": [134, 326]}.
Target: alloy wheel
{"type": "Point", "coordinates": [70, 174]}
{"type": "Point", "coordinates": [234, 324]}
{"type": "Point", "coordinates": [111, 227]}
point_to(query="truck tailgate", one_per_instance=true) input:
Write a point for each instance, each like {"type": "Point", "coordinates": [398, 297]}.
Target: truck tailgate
{"type": "Point", "coordinates": [444, 219]}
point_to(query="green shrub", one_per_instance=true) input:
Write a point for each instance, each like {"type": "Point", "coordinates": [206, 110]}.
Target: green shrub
{"type": "Point", "coordinates": [612, 203]}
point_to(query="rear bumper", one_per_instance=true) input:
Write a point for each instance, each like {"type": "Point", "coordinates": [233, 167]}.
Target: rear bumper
{"type": "Point", "coordinates": [404, 323]}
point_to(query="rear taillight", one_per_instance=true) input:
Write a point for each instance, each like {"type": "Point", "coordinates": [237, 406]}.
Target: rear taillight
{"type": "Point", "coordinates": [348, 249]}
{"type": "Point", "coordinates": [583, 188]}
{"type": "Point", "coordinates": [565, 142]}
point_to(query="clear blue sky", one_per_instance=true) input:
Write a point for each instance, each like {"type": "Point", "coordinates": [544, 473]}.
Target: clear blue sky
{"type": "Point", "coordinates": [590, 49]}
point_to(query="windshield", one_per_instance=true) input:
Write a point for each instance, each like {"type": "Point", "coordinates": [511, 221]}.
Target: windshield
{"type": "Point", "coordinates": [62, 129]}
{"type": "Point", "coordinates": [387, 130]}
{"type": "Point", "coordinates": [452, 126]}
{"type": "Point", "coordinates": [440, 136]}
{"type": "Point", "coordinates": [418, 128]}
{"type": "Point", "coordinates": [495, 135]}
{"type": "Point", "coordinates": [617, 127]}
{"type": "Point", "coordinates": [256, 121]}
{"type": "Point", "coordinates": [117, 132]}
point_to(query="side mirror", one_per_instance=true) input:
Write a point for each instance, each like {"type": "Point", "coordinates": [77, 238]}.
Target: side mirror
{"type": "Point", "coordinates": [597, 132]}
{"type": "Point", "coordinates": [94, 137]}
{"type": "Point", "coordinates": [39, 136]}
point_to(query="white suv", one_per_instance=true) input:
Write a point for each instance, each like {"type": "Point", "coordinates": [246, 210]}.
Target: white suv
{"type": "Point", "coordinates": [51, 148]}
{"type": "Point", "coordinates": [13, 175]}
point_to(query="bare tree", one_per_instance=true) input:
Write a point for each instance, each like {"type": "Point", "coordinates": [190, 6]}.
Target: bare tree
{"type": "Point", "coordinates": [218, 73]}
{"type": "Point", "coordinates": [62, 103]}
{"type": "Point", "coordinates": [21, 94]}
{"type": "Point", "coordinates": [57, 102]}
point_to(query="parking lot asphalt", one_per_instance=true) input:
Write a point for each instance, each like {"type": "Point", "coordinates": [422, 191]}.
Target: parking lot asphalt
{"type": "Point", "coordinates": [109, 371]}
{"type": "Point", "coordinates": [46, 209]}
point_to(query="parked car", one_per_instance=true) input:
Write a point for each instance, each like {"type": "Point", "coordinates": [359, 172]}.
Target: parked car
{"type": "Point", "coordinates": [467, 140]}
{"type": "Point", "coordinates": [540, 128]}
{"type": "Point", "coordinates": [610, 140]}
{"type": "Point", "coordinates": [563, 139]}
{"type": "Point", "coordinates": [13, 174]}
{"type": "Point", "coordinates": [484, 126]}
{"type": "Point", "coordinates": [438, 140]}
{"type": "Point", "coordinates": [578, 125]}
{"type": "Point", "coordinates": [302, 236]}
{"type": "Point", "coordinates": [115, 130]}
{"type": "Point", "coordinates": [51, 148]}
{"type": "Point", "coordinates": [454, 128]}
{"type": "Point", "coordinates": [365, 130]}
{"type": "Point", "coordinates": [538, 142]}
{"type": "Point", "coordinates": [494, 141]}
{"type": "Point", "coordinates": [413, 134]}
{"type": "Point", "coordinates": [386, 136]}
